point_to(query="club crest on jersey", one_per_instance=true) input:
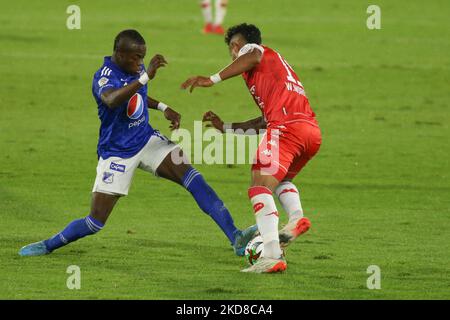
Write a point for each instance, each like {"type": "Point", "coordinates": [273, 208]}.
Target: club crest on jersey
{"type": "Point", "coordinates": [103, 81]}
{"type": "Point", "coordinates": [135, 106]}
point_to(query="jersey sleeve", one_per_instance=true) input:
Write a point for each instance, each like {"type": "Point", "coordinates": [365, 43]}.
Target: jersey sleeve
{"type": "Point", "coordinates": [105, 80]}
{"type": "Point", "coordinates": [249, 47]}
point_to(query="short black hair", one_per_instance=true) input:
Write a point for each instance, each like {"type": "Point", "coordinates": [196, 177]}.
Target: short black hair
{"type": "Point", "coordinates": [131, 35]}
{"type": "Point", "coordinates": [249, 31]}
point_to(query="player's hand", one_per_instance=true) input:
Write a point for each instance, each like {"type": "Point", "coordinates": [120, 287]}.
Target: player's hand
{"type": "Point", "coordinates": [157, 62]}
{"type": "Point", "coordinates": [174, 118]}
{"type": "Point", "coordinates": [216, 122]}
{"type": "Point", "coordinates": [198, 81]}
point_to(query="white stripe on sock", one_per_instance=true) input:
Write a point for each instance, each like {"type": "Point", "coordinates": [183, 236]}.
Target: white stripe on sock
{"type": "Point", "coordinates": [188, 178]}
{"type": "Point", "coordinates": [91, 225]}
{"type": "Point", "coordinates": [192, 178]}
{"type": "Point", "coordinates": [94, 224]}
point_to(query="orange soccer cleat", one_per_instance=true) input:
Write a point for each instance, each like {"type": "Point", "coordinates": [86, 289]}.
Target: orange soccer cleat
{"type": "Point", "coordinates": [219, 30]}
{"type": "Point", "coordinates": [267, 265]}
{"type": "Point", "coordinates": [208, 28]}
{"type": "Point", "coordinates": [292, 230]}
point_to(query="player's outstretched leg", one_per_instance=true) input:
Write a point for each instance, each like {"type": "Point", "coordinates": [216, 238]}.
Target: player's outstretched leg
{"type": "Point", "coordinates": [102, 205]}
{"type": "Point", "coordinates": [75, 230]}
{"type": "Point", "coordinates": [212, 205]}
{"type": "Point", "coordinates": [185, 175]}
{"type": "Point", "coordinates": [289, 198]}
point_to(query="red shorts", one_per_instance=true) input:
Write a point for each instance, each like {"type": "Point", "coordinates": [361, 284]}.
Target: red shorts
{"type": "Point", "coordinates": [283, 152]}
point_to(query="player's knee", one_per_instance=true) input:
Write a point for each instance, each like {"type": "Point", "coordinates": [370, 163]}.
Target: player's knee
{"type": "Point", "coordinates": [260, 179]}
{"type": "Point", "coordinates": [264, 183]}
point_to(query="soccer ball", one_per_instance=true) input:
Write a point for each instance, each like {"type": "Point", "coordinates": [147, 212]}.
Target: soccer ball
{"type": "Point", "coordinates": [254, 249]}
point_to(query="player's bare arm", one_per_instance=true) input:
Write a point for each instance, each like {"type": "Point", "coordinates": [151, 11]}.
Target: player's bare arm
{"type": "Point", "coordinates": [170, 114]}
{"type": "Point", "coordinates": [216, 122]}
{"type": "Point", "coordinates": [242, 64]}
{"type": "Point", "coordinates": [115, 97]}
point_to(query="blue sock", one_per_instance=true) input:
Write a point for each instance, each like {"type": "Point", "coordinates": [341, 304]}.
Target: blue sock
{"type": "Point", "coordinates": [209, 202]}
{"type": "Point", "coordinates": [75, 230]}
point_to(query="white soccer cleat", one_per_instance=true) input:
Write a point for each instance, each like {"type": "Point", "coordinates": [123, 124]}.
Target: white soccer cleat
{"type": "Point", "coordinates": [267, 265]}
{"type": "Point", "coordinates": [292, 230]}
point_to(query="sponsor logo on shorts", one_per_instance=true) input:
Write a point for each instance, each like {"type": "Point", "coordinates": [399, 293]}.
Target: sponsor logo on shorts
{"type": "Point", "coordinates": [108, 177]}
{"type": "Point", "coordinates": [117, 167]}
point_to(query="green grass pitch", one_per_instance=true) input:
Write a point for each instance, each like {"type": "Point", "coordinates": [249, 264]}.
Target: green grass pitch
{"type": "Point", "coordinates": [378, 193]}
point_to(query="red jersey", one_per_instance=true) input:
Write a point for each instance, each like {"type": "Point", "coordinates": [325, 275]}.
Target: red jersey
{"type": "Point", "coordinates": [277, 90]}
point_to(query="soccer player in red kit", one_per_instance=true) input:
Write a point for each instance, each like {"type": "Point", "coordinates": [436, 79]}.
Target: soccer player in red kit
{"type": "Point", "coordinates": [292, 137]}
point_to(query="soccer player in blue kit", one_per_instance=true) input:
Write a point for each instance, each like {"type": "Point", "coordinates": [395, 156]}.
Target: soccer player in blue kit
{"type": "Point", "coordinates": [127, 141]}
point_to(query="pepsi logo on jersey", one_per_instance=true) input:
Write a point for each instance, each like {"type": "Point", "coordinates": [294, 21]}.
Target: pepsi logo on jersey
{"type": "Point", "coordinates": [135, 106]}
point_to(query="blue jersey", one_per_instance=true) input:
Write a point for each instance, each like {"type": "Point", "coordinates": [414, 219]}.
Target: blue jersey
{"type": "Point", "coordinates": [124, 130]}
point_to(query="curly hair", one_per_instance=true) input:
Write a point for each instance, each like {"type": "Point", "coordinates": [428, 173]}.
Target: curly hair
{"type": "Point", "coordinates": [249, 31]}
